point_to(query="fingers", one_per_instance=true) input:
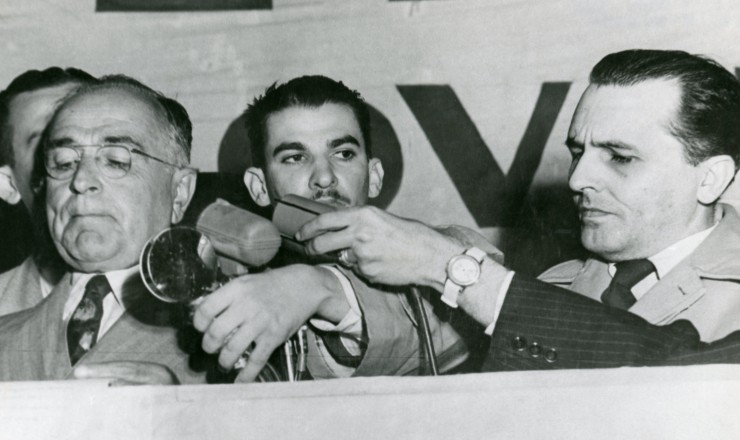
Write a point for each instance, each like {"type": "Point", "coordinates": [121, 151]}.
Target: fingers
{"type": "Point", "coordinates": [331, 242]}
{"type": "Point", "coordinates": [223, 327]}
{"type": "Point", "coordinates": [128, 373]}
{"type": "Point", "coordinates": [240, 314]}
{"type": "Point", "coordinates": [347, 258]}
{"type": "Point", "coordinates": [262, 311]}
{"type": "Point", "coordinates": [258, 359]}
{"type": "Point", "coordinates": [330, 221]}
{"type": "Point", "coordinates": [214, 304]}
{"type": "Point", "coordinates": [238, 342]}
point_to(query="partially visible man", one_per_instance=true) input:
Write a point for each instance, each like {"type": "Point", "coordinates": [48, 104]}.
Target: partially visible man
{"type": "Point", "coordinates": [116, 155]}
{"type": "Point", "coordinates": [26, 106]}
{"type": "Point", "coordinates": [655, 141]}
{"type": "Point", "coordinates": [536, 325]}
{"type": "Point", "coordinates": [310, 137]}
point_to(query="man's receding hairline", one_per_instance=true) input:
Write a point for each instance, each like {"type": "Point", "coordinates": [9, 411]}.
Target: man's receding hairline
{"type": "Point", "coordinates": [123, 87]}
{"type": "Point", "coordinates": [155, 106]}
{"type": "Point", "coordinates": [670, 124]}
{"type": "Point", "coordinates": [668, 80]}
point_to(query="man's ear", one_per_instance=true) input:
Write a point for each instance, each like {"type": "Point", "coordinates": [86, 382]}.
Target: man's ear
{"type": "Point", "coordinates": [718, 174]}
{"type": "Point", "coordinates": [375, 177]}
{"type": "Point", "coordinates": [8, 189]}
{"type": "Point", "coordinates": [254, 180]}
{"type": "Point", "coordinates": [183, 186]}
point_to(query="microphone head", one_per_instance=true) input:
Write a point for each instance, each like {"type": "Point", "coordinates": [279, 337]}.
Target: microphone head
{"type": "Point", "coordinates": [292, 212]}
{"type": "Point", "coordinates": [239, 234]}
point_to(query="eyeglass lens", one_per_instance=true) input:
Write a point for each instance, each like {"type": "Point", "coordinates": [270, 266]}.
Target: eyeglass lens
{"type": "Point", "coordinates": [114, 161]}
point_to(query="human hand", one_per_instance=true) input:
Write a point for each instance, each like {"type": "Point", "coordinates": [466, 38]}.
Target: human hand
{"type": "Point", "coordinates": [128, 373]}
{"type": "Point", "coordinates": [387, 249]}
{"type": "Point", "coordinates": [259, 312]}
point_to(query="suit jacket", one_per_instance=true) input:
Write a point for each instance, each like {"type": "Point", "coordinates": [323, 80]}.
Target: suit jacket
{"type": "Point", "coordinates": [542, 326]}
{"type": "Point", "coordinates": [33, 343]}
{"type": "Point", "coordinates": [20, 287]}
{"type": "Point", "coordinates": [704, 288]}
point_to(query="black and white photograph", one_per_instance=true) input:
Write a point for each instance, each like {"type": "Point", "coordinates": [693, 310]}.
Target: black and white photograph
{"type": "Point", "coordinates": [365, 219]}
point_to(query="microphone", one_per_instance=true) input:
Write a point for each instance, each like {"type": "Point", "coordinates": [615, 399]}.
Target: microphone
{"type": "Point", "coordinates": [238, 234]}
{"type": "Point", "coordinates": [292, 212]}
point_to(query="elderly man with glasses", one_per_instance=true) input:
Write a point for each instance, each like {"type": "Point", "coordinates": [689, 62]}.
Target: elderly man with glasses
{"type": "Point", "coordinates": [116, 157]}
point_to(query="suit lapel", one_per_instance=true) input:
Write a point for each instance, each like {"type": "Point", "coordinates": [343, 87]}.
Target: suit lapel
{"type": "Point", "coordinates": [146, 332]}
{"type": "Point", "coordinates": [680, 288]}
{"type": "Point", "coordinates": [683, 285]}
{"type": "Point", "coordinates": [674, 293]}
{"type": "Point", "coordinates": [51, 331]}
{"type": "Point", "coordinates": [23, 290]}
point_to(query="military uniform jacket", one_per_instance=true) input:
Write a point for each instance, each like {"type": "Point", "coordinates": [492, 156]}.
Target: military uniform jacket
{"type": "Point", "coordinates": [704, 288]}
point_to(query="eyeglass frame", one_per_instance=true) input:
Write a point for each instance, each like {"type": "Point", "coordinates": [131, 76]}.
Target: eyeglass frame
{"type": "Point", "coordinates": [76, 148]}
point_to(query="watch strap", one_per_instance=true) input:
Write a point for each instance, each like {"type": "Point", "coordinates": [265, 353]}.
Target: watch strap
{"type": "Point", "coordinates": [452, 290]}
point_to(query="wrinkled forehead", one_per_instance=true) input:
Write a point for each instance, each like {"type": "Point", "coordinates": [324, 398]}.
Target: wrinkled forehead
{"type": "Point", "coordinates": [613, 112]}
{"type": "Point", "coordinates": [109, 115]}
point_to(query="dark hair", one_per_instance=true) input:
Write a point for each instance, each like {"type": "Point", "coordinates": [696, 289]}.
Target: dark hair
{"type": "Point", "coordinates": [30, 81]}
{"type": "Point", "coordinates": [308, 91]}
{"type": "Point", "coordinates": [174, 115]}
{"type": "Point", "coordinates": [708, 119]}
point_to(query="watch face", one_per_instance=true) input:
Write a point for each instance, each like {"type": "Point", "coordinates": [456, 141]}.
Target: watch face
{"type": "Point", "coordinates": [464, 270]}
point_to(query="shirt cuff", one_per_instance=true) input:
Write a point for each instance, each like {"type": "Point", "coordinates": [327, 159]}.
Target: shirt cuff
{"type": "Point", "coordinates": [502, 291]}
{"type": "Point", "coordinates": [350, 327]}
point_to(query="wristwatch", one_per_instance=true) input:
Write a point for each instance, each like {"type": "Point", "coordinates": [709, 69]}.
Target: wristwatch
{"type": "Point", "coordinates": [462, 271]}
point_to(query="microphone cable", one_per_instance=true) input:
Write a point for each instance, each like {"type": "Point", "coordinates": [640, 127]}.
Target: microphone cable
{"type": "Point", "coordinates": [425, 335]}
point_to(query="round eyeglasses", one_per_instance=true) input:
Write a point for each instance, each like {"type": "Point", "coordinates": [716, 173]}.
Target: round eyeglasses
{"type": "Point", "coordinates": [113, 160]}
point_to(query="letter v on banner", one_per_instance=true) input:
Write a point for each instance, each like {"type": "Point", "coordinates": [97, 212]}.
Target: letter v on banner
{"type": "Point", "coordinates": [493, 198]}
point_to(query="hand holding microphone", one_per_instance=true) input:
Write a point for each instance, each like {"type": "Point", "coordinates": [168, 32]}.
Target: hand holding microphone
{"type": "Point", "coordinates": [379, 246]}
{"type": "Point", "coordinates": [291, 213]}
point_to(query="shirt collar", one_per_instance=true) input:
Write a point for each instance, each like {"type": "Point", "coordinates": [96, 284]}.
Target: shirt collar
{"type": "Point", "coordinates": [665, 260]}
{"type": "Point", "coordinates": [116, 279]}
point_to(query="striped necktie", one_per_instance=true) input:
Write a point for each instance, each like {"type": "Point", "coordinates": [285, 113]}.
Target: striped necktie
{"type": "Point", "coordinates": [629, 273]}
{"type": "Point", "coordinates": [83, 326]}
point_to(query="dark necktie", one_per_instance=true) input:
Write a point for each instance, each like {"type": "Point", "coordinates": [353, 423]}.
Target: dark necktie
{"type": "Point", "coordinates": [83, 326]}
{"type": "Point", "coordinates": [628, 274]}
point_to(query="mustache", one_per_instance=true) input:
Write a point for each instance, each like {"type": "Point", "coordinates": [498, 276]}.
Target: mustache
{"type": "Point", "coordinates": [331, 193]}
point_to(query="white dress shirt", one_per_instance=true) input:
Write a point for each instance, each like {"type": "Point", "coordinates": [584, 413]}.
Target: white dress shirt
{"type": "Point", "coordinates": [665, 260]}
